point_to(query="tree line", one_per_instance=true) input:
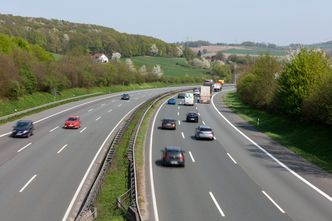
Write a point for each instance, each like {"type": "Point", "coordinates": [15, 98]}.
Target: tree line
{"type": "Point", "coordinates": [299, 87]}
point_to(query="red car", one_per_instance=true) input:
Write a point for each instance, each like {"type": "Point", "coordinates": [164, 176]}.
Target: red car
{"type": "Point", "coordinates": [73, 122]}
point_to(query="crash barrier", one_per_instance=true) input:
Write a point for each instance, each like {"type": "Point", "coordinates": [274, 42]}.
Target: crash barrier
{"type": "Point", "coordinates": [127, 202]}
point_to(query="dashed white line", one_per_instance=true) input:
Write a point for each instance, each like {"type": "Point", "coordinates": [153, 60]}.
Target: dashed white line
{"type": "Point", "coordinates": [54, 129]}
{"type": "Point", "coordinates": [83, 129]}
{"type": "Point", "coordinates": [179, 122]}
{"type": "Point", "coordinates": [199, 114]}
{"type": "Point", "coordinates": [62, 148]}
{"type": "Point", "coordinates": [191, 156]}
{"type": "Point", "coordinates": [203, 122]}
{"type": "Point", "coordinates": [217, 205]}
{"type": "Point", "coordinates": [214, 138]}
{"type": "Point", "coordinates": [231, 158]}
{"type": "Point", "coordinates": [109, 111]}
{"type": "Point", "coordinates": [196, 108]}
{"type": "Point", "coordinates": [183, 135]}
{"type": "Point", "coordinates": [276, 205]}
{"type": "Point", "coordinates": [90, 110]}
{"type": "Point", "coordinates": [119, 105]}
{"type": "Point", "coordinates": [98, 118]}
{"type": "Point", "coordinates": [24, 147]}
{"type": "Point", "coordinates": [178, 107]}
{"type": "Point", "coordinates": [27, 184]}
{"type": "Point", "coordinates": [178, 114]}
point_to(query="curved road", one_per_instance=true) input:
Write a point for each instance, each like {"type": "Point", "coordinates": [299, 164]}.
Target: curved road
{"type": "Point", "coordinates": [231, 177]}
{"type": "Point", "coordinates": [40, 177]}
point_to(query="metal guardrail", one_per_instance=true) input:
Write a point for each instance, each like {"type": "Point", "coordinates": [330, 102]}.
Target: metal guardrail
{"type": "Point", "coordinates": [3, 118]}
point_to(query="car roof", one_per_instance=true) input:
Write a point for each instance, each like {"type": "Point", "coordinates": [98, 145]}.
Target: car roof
{"type": "Point", "coordinates": [173, 148]}
{"type": "Point", "coordinates": [169, 119]}
{"type": "Point", "coordinates": [204, 126]}
{"type": "Point", "coordinates": [191, 112]}
{"type": "Point", "coordinates": [24, 121]}
{"type": "Point", "coordinates": [73, 116]}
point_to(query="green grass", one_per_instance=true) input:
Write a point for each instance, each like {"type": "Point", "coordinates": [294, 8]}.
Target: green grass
{"type": "Point", "coordinates": [257, 51]}
{"type": "Point", "coordinates": [172, 67]}
{"type": "Point", "coordinates": [311, 141]}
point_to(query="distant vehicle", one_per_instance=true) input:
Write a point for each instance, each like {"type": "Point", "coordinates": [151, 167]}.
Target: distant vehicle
{"type": "Point", "coordinates": [192, 117]}
{"type": "Point", "coordinates": [125, 97]}
{"type": "Point", "coordinates": [189, 99]}
{"type": "Point", "coordinates": [72, 122]}
{"type": "Point", "coordinates": [204, 132]}
{"type": "Point", "coordinates": [196, 92]}
{"type": "Point", "coordinates": [171, 101]}
{"type": "Point", "coordinates": [205, 96]}
{"type": "Point", "coordinates": [168, 124]}
{"type": "Point", "coordinates": [23, 128]}
{"type": "Point", "coordinates": [208, 83]}
{"type": "Point", "coordinates": [173, 156]}
{"type": "Point", "coordinates": [217, 87]}
{"type": "Point", "coordinates": [221, 82]}
{"type": "Point", "coordinates": [181, 95]}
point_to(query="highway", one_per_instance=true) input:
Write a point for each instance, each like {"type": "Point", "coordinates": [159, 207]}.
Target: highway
{"type": "Point", "coordinates": [232, 177]}
{"type": "Point", "coordinates": [41, 176]}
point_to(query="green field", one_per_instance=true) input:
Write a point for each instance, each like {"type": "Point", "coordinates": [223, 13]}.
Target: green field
{"type": "Point", "coordinates": [257, 51]}
{"type": "Point", "coordinates": [172, 67]}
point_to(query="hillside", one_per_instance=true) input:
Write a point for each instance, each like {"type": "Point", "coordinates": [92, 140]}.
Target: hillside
{"type": "Point", "coordinates": [60, 36]}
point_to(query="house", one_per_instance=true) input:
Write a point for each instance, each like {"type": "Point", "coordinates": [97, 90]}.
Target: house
{"type": "Point", "coordinates": [100, 57]}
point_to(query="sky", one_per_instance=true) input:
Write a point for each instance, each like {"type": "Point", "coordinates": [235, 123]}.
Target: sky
{"type": "Point", "coordinates": [219, 21]}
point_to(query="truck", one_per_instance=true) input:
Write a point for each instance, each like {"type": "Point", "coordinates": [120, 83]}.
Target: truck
{"type": "Point", "coordinates": [205, 96]}
{"type": "Point", "coordinates": [189, 99]}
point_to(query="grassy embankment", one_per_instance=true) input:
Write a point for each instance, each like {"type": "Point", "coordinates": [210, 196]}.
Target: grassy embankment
{"type": "Point", "coordinates": [311, 141]}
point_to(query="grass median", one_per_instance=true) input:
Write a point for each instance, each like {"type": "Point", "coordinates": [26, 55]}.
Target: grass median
{"type": "Point", "coordinates": [308, 140]}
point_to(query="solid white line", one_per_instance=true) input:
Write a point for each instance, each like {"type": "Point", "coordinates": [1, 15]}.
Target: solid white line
{"type": "Point", "coordinates": [24, 147]}
{"type": "Point", "coordinates": [178, 114]}
{"type": "Point", "coordinates": [217, 205]}
{"type": "Point", "coordinates": [54, 129]}
{"type": "Point", "coordinates": [98, 118]}
{"type": "Point", "coordinates": [231, 158]}
{"type": "Point", "coordinates": [90, 110]}
{"type": "Point", "coordinates": [183, 135]}
{"type": "Point", "coordinates": [179, 122]}
{"type": "Point", "coordinates": [203, 122]}
{"type": "Point", "coordinates": [272, 157]}
{"type": "Point", "coordinates": [83, 129]}
{"type": "Point", "coordinates": [62, 148]}
{"type": "Point", "coordinates": [191, 156]}
{"type": "Point", "coordinates": [109, 111]}
{"type": "Point", "coordinates": [281, 210]}
{"type": "Point", "coordinates": [25, 186]}
{"type": "Point", "coordinates": [65, 217]}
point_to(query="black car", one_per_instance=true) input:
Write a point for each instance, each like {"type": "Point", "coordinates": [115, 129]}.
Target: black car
{"type": "Point", "coordinates": [204, 132]}
{"type": "Point", "coordinates": [173, 156]}
{"type": "Point", "coordinates": [23, 128]}
{"type": "Point", "coordinates": [125, 97]}
{"type": "Point", "coordinates": [192, 117]}
{"type": "Point", "coordinates": [168, 124]}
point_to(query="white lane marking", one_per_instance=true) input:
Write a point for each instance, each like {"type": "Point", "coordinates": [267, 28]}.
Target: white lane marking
{"type": "Point", "coordinates": [217, 205]}
{"type": "Point", "coordinates": [214, 137]}
{"type": "Point", "coordinates": [154, 201]}
{"type": "Point", "coordinates": [183, 135]}
{"type": "Point", "coordinates": [54, 129]}
{"type": "Point", "coordinates": [196, 108]}
{"type": "Point", "coordinates": [178, 114]}
{"type": "Point", "coordinates": [90, 110]}
{"type": "Point", "coordinates": [180, 102]}
{"type": "Point", "coordinates": [231, 158]}
{"type": "Point", "coordinates": [65, 217]}
{"type": "Point", "coordinates": [272, 157]}
{"type": "Point", "coordinates": [203, 122]}
{"type": "Point", "coordinates": [83, 129]}
{"type": "Point", "coordinates": [25, 186]}
{"type": "Point", "coordinates": [199, 114]}
{"type": "Point", "coordinates": [270, 198]}
{"type": "Point", "coordinates": [179, 122]}
{"type": "Point", "coordinates": [119, 105]}
{"type": "Point", "coordinates": [2, 135]}
{"type": "Point", "coordinates": [178, 107]}
{"type": "Point", "coordinates": [98, 118]}
{"type": "Point", "coordinates": [191, 156]}
{"type": "Point", "coordinates": [24, 147]}
{"type": "Point", "coordinates": [62, 148]}
{"type": "Point", "coordinates": [109, 111]}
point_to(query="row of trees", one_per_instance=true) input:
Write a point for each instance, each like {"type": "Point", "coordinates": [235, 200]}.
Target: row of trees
{"type": "Point", "coordinates": [300, 87]}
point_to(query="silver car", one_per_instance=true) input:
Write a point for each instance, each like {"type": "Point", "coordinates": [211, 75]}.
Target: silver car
{"type": "Point", "coordinates": [204, 132]}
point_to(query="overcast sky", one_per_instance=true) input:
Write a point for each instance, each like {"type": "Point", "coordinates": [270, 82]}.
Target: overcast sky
{"type": "Point", "coordinates": [228, 21]}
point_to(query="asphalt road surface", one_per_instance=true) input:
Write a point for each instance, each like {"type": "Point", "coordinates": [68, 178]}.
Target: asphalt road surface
{"type": "Point", "coordinates": [40, 176]}
{"type": "Point", "coordinates": [229, 178]}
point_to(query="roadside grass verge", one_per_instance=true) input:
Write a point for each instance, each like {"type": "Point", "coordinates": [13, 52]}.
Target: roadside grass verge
{"type": "Point", "coordinates": [308, 140]}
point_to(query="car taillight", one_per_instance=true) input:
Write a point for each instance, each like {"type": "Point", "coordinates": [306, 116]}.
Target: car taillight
{"type": "Point", "coordinates": [181, 157]}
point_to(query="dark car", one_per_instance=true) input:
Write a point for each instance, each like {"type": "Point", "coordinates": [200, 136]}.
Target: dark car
{"type": "Point", "coordinates": [171, 101]}
{"type": "Point", "coordinates": [125, 97]}
{"type": "Point", "coordinates": [192, 117]}
{"type": "Point", "coordinates": [168, 124]}
{"type": "Point", "coordinates": [181, 95]}
{"type": "Point", "coordinates": [23, 128]}
{"type": "Point", "coordinates": [173, 156]}
{"type": "Point", "coordinates": [204, 132]}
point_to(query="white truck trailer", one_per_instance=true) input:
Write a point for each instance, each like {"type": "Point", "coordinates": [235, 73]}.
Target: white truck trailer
{"type": "Point", "coordinates": [205, 96]}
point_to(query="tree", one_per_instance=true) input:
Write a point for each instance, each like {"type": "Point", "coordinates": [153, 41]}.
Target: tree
{"type": "Point", "coordinates": [188, 54]}
{"type": "Point", "coordinates": [154, 50]}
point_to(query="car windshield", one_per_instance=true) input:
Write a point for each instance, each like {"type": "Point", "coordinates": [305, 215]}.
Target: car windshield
{"type": "Point", "coordinates": [21, 124]}
{"type": "Point", "coordinates": [168, 121]}
{"type": "Point", "coordinates": [205, 129]}
{"type": "Point", "coordinates": [173, 152]}
{"type": "Point", "coordinates": [192, 114]}
{"type": "Point", "coordinates": [72, 119]}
